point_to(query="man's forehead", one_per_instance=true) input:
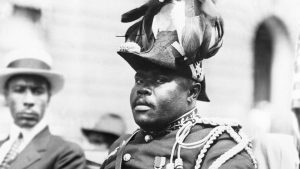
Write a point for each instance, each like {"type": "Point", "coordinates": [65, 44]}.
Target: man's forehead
{"type": "Point", "coordinates": [27, 80]}
{"type": "Point", "coordinates": [155, 71]}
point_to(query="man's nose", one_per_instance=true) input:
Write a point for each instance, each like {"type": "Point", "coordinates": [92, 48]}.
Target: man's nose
{"type": "Point", "coordinates": [144, 91]}
{"type": "Point", "coordinates": [29, 99]}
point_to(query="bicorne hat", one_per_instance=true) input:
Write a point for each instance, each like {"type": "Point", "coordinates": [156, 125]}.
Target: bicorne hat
{"type": "Point", "coordinates": [175, 34]}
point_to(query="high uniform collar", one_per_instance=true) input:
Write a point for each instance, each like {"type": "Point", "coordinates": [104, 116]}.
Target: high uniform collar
{"type": "Point", "coordinates": [191, 115]}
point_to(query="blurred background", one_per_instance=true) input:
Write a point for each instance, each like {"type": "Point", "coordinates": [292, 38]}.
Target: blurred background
{"type": "Point", "coordinates": [255, 65]}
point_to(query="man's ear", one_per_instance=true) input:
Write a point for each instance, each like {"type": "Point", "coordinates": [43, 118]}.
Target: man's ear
{"type": "Point", "coordinates": [195, 90]}
{"type": "Point", "coordinates": [5, 98]}
{"type": "Point", "coordinates": [49, 97]}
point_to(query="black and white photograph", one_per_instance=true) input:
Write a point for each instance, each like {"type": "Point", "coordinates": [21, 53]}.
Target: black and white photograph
{"type": "Point", "coordinates": [149, 84]}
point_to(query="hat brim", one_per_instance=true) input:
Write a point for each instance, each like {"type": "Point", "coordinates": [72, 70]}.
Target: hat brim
{"type": "Point", "coordinates": [87, 131]}
{"type": "Point", "coordinates": [55, 79]}
{"type": "Point", "coordinates": [140, 60]}
{"type": "Point", "coordinates": [203, 96]}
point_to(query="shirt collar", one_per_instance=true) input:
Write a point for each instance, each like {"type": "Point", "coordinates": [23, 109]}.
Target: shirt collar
{"type": "Point", "coordinates": [28, 133]}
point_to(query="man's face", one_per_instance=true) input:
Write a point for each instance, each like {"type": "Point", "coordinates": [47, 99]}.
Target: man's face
{"type": "Point", "coordinates": [158, 98]}
{"type": "Point", "coordinates": [27, 98]}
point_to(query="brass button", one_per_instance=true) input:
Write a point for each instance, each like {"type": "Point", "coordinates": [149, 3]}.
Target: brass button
{"type": "Point", "coordinates": [126, 157]}
{"type": "Point", "coordinates": [148, 138]}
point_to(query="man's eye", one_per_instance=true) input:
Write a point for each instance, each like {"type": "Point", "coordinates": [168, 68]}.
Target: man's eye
{"type": "Point", "coordinates": [18, 89]}
{"type": "Point", "coordinates": [138, 81]}
{"type": "Point", "coordinates": [161, 80]}
{"type": "Point", "coordinates": [39, 91]}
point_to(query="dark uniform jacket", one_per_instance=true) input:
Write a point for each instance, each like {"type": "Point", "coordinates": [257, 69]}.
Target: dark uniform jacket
{"type": "Point", "coordinates": [212, 148]}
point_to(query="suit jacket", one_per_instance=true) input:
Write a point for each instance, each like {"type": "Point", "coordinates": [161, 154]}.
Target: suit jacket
{"type": "Point", "coordinates": [47, 151]}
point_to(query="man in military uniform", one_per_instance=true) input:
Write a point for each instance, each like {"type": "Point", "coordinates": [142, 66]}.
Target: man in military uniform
{"type": "Point", "coordinates": [166, 49]}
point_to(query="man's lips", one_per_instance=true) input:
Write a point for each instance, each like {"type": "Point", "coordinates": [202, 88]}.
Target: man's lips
{"type": "Point", "coordinates": [142, 108]}
{"type": "Point", "coordinates": [141, 105]}
{"type": "Point", "coordinates": [27, 116]}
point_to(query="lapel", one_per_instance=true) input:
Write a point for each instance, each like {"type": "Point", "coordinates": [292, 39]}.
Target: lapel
{"type": "Point", "coordinates": [33, 151]}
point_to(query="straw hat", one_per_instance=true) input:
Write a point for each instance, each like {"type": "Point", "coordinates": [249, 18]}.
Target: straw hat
{"type": "Point", "coordinates": [31, 62]}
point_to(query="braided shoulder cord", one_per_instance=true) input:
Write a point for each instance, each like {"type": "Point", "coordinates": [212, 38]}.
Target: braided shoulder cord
{"type": "Point", "coordinates": [229, 154]}
{"type": "Point", "coordinates": [236, 136]}
{"type": "Point", "coordinates": [219, 130]}
{"type": "Point", "coordinates": [183, 133]}
{"type": "Point", "coordinates": [239, 137]}
{"type": "Point", "coordinates": [242, 144]}
{"type": "Point", "coordinates": [207, 141]}
{"type": "Point", "coordinates": [180, 137]}
{"type": "Point", "coordinates": [251, 154]}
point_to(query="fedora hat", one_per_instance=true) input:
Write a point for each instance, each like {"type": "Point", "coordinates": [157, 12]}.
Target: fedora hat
{"type": "Point", "coordinates": [109, 123]}
{"type": "Point", "coordinates": [175, 34]}
{"type": "Point", "coordinates": [30, 62]}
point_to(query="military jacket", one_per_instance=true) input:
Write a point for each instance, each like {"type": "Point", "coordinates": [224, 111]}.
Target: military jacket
{"type": "Point", "coordinates": [190, 142]}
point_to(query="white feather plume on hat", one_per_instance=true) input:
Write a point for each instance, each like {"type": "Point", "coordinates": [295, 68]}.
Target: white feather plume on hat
{"type": "Point", "coordinates": [197, 22]}
{"type": "Point", "coordinates": [176, 34]}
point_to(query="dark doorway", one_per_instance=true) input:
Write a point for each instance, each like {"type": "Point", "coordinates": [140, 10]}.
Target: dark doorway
{"type": "Point", "coordinates": [263, 52]}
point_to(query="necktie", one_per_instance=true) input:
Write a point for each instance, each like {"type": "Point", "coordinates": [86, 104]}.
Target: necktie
{"type": "Point", "coordinates": [12, 153]}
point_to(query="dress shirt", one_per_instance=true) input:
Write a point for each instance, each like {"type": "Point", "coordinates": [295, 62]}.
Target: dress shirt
{"type": "Point", "coordinates": [27, 133]}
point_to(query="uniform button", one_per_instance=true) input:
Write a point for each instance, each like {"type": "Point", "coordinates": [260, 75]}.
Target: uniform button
{"type": "Point", "coordinates": [126, 157]}
{"type": "Point", "coordinates": [148, 138]}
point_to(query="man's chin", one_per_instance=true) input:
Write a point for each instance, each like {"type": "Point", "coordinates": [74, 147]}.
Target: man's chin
{"type": "Point", "coordinates": [26, 123]}
{"type": "Point", "coordinates": [149, 125]}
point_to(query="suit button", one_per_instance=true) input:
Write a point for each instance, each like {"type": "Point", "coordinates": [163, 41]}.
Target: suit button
{"type": "Point", "coordinates": [126, 157]}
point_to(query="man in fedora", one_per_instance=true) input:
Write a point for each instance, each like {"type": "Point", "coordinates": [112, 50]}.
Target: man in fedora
{"type": "Point", "coordinates": [99, 138]}
{"type": "Point", "coordinates": [27, 83]}
{"type": "Point", "coordinates": [166, 49]}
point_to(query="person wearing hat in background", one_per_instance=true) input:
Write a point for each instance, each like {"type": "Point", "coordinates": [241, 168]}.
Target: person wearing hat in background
{"type": "Point", "coordinates": [28, 83]}
{"type": "Point", "coordinates": [166, 49]}
{"type": "Point", "coordinates": [108, 129]}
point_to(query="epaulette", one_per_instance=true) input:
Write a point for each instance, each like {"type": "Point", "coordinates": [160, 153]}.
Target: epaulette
{"type": "Point", "coordinates": [219, 127]}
